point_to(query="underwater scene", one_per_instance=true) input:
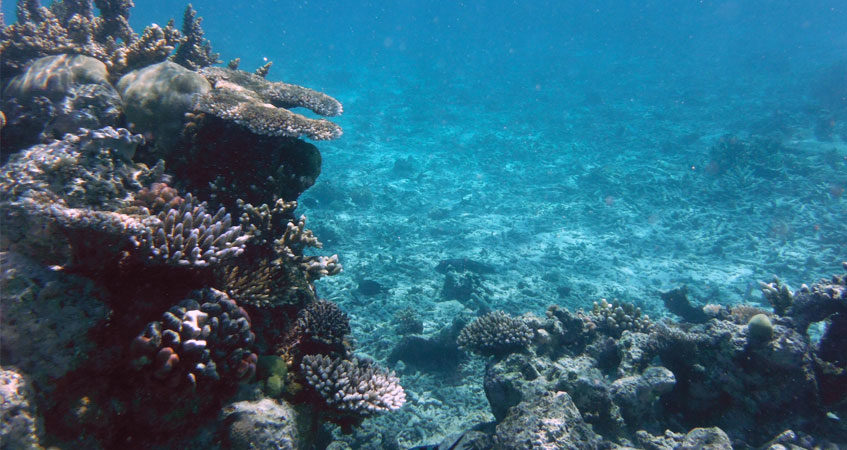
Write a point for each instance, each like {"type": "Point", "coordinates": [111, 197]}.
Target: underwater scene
{"type": "Point", "coordinates": [430, 225]}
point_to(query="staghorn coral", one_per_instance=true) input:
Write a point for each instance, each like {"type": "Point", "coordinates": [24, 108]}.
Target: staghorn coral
{"type": "Point", "coordinates": [614, 318]}
{"type": "Point", "coordinates": [353, 387]}
{"type": "Point", "coordinates": [265, 223]}
{"type": "Point", "coordinates": [203, 339]}
{"type": "Point", "coordinates": [261, 106]}
{"type": "Point", "coordinates": [495, 334]}
{"type": "Point", "coordinates": [194, 52]}
{"type": "Point", "coordinates": [72, 27]}
{"type": "Point", "coordinates": [188, 235]}
{"type": "Point", "coordinates": [323, 322]}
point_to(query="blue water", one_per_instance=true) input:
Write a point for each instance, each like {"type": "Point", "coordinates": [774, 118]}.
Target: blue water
{"type": "Point", "coordinates": [572, 145]}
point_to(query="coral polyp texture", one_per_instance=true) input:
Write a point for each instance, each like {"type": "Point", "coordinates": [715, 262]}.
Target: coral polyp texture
{"type": "Point", "coordinates": [323, 322]}
{"type": "Point", "coordinates": [356, 386]}
{"type": "Point", "coordinates": [495, 334]}
{"type": "Point", "coordinates": [188, 235]}
{"type": "Point", "coordinates": [202, 340]}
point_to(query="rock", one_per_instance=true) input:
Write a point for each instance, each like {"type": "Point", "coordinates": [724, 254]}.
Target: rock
{"type": "Point", "coordinates": [706, 439]}
{"type": "Point", "coordinates": [266, 424]}
{"type": "Point", "coordinates": [20, 425]}
{"type": "Point", "coordinates": [550, 421]}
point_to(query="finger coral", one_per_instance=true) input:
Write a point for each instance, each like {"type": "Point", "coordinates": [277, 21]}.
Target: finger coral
{"type": "Point", "coordinates": [356, 386]}
{"type": "Point", "coordinates": [188, 235]}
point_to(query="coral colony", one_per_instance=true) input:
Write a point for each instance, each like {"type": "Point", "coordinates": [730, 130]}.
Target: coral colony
{"type": "Point", "coordinates": [159, 289]}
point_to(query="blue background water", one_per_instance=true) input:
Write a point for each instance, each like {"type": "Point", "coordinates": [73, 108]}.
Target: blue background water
{"type": "Point", "coordinates": [571, 145]}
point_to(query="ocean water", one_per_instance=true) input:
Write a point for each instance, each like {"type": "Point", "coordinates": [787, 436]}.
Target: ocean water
{"type": "Point", "coordinates": [582, 150]}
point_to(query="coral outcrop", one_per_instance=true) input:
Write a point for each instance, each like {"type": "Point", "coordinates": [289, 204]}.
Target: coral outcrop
{"type": "Point", "coordinates": [131, 257]}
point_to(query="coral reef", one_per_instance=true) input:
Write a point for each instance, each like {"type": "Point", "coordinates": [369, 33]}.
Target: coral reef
{"type": "Point", "coordinates": [52, 192]}
{"type": "Point", "coordinates": [128, 280]}
{"type": "Point", "coordinates": [73, 27]}
{"type": "Point", "coordinates": [632, 375]}
{"type": "Point", "coordinates": [495, 334]}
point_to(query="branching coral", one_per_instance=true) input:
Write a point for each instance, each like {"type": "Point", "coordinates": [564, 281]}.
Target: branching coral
{"type": "Point", "coordinates": [495, 334]}
{"type": "Point", "coordinates": [291, 245]}
{"type": "Point", "coordinates": [614, 318]}
{"type": "Point", "coordinates": [194, 52]}
{"type": "Point", "coordinates": [188, 235]}
{"type": "Point", "coordinates": [323, 322]}
{"type": "Point", "coordinates": [72, 27]}
{"type": "Point", "coordinates": [356, 386]}
{"type": "Point", "coordinates": [203, 339]}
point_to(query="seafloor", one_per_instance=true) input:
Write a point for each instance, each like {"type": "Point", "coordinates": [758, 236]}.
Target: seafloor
{"type": "Point", "coordinates": [572, 193]}
{"type": "Point", "coordinates": [457, 191]}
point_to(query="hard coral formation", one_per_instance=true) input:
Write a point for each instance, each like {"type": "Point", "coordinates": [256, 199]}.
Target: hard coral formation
{"type": "Point", "coordinates": [202, 340]}
{"type": "Point", "coordinates": [56, 95]}
{"type": "Point", "coordinates": [355, 387]}
{"type": "Point", "coordinates": [495, 334]}
{"type": "Point", "coordinates": [261, 106]}
{"type": "Point", "coordinates": [323, 322]}
{"type": "Point", "coordinates": [53, 195]}
{"type": "Point", "coordinates": [73, 28]}
{"type": "Point", "coordinates": [194, 52]}
{"type": "Point", "coordinates": [614, 318]}
{"type": "Point", "coordinates": [188, 235]}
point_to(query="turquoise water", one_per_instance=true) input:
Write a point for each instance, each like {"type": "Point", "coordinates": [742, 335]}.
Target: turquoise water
{"type": "Point", "coordinates": [583, 150]}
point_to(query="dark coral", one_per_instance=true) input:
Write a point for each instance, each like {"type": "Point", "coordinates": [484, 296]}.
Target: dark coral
{"type": "Point", "coordinates": [323, 322]}
{"type": "Point", "coordinates": [495, 334]}
{"type": "Point", "coordinates": [200, 341]}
